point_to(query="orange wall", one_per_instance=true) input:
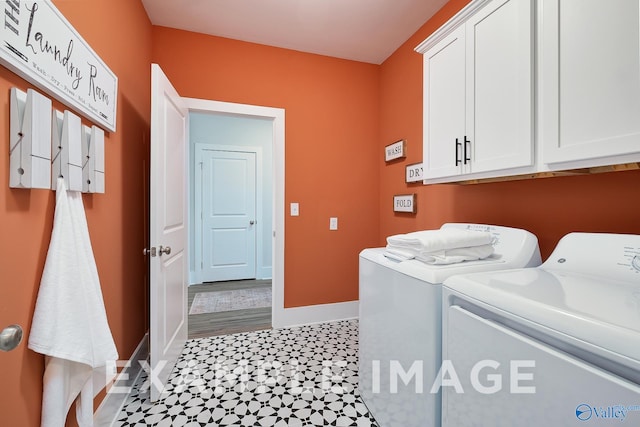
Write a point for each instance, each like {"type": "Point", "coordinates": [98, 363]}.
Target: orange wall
{"type": "Point", "coordinates": [331, 138]}
{"type": "Point", "coordinates": [120, 33]}
{"type": "Point", "coordinates": [549, 208]}
{"type": "Point", "coordinates": [339, 116]}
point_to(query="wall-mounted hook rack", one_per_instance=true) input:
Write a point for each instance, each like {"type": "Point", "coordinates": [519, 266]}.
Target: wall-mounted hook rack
{"type": "Point", "coordinates": [29, 140]}
{"type": "Point", "coordinates": [66, 147]}
{"type": "Point", "coordinates": [92, 160]}
{"type": "Point", "coordinates": [45, 144]}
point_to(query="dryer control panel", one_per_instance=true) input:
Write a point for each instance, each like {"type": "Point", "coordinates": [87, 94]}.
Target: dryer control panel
{"type": "Point", "coordinates": [635, 261]}
{"type": "Point", "coordinates": [613, 256]}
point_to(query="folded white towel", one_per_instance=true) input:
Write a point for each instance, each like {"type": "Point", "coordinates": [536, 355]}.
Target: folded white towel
{"type": "Point", "coordinates": [70, 323]}
{"type": "Point", "coordinates": [399, 254]}
{"type": "Point", "coordinates": [393, 257]}
{"type": "Point", "coordinates": [439, 240]}
{"type": "Point", "coordinates": [453, 256]}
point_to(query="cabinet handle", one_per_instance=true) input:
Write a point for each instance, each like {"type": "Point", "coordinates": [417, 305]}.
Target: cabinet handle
{"type": "Point", "coordinates": [466, 143]}
{"type": "Point", "coordinates": [458, 161]}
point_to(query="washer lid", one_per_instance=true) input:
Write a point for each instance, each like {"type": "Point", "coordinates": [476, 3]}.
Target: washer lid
{"type": "Point", "coordinates": [514, 248]}
{"type": "Point", "coordinates": [434, 274]}
{"type": "Point", "coordinates": [605, 313]}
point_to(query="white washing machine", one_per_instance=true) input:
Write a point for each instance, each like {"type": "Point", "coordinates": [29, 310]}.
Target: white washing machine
{"type": "Point", "coordinates": [400, 325]}
{"type": "Point", "coordinates": [557, 345]}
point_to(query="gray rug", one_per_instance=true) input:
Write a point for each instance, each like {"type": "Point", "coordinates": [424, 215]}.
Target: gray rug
{"type": "Point", "coordinates": [214, 302]}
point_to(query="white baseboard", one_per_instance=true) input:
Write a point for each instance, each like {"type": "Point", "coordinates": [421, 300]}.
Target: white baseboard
{"type": "Point", "coordinates": [321, 313]}
{"type": "Point", "coordinates": [264, 273]}
{"type": "Point", "coordinates": [107, 412]}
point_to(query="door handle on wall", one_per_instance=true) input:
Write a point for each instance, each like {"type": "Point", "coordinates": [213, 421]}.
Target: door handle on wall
{"type": "Point", "coordinates": [10, 337]}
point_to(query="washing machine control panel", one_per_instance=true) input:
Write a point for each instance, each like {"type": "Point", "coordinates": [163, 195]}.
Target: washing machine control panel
{"type": "Point", "coordinates": [495, 232]}
{"type": "Point", "coordinates": [506, 241]}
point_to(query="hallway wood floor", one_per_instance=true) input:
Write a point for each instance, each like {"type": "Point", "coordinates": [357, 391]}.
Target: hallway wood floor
{"type": "Point", "coordinates": [228, 322]}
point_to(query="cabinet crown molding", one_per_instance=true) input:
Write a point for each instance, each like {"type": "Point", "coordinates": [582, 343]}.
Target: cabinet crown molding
{"type": "Point", "coordinates": [453, 23]}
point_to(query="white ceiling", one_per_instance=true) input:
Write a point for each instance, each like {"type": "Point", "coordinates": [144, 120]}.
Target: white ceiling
{"type": "Point", "coordinates": [360, 30]}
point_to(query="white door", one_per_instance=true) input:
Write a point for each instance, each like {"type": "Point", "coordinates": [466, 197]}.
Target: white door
{"type": "Point", "coordinates": [228, 209]}
{"type": "Point", "coordinates": [444, 106]}
{"type": "Point", "coordinates": [168, 230]}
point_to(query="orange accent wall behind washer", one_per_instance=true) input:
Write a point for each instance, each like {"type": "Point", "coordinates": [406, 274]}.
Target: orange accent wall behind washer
{"type": "Point", "coordinates": [120, 33]}
{"type": "Point", "coordinates": [550, 207]}
{"type": "Point", "coordinates": [330, 149]}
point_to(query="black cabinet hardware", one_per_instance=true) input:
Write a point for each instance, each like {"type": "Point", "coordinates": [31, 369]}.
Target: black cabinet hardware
{"type": "Point", "coordinates": [467, 143]}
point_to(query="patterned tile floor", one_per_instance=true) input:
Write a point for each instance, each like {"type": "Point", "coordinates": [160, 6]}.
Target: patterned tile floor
{"type": "Point", "coordinates": [303, 376]}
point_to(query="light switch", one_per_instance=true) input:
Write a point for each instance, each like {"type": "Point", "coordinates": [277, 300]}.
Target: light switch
{"type": "Point", "coordinates": [295, 209]}
{"type": "Point", "coordinates": [333, 223]}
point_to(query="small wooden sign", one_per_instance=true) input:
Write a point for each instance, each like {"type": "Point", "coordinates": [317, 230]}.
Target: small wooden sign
{"type": "Point", "coordinates": [397, 150]}
{"type": "Point", "coordinates": [404, 203]}
{"type": "Point", "coordinates": [414, 173]}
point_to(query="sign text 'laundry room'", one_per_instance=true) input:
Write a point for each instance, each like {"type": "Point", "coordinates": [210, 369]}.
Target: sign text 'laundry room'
{"type": "Point", "coordinates": [40, 45]}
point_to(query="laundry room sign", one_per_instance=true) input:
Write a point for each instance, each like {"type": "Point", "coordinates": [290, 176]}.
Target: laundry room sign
{"type": "Point", "coordinates": [40, 45]}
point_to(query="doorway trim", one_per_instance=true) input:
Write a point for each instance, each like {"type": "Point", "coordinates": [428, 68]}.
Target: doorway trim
{"type": "Point", "coordinates": [276, 115]}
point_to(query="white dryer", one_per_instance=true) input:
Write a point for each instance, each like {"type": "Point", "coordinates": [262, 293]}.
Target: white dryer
{"type": "Point", "coordinates": [400, 325]}
{"type": "Point", "coordinates": [557, 345]}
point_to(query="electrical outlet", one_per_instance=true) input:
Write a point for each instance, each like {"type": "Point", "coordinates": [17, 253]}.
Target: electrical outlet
{"type": "Point", "coordinates": [333, 223]}
{"type": "Point", "coordinates": [295, 209]}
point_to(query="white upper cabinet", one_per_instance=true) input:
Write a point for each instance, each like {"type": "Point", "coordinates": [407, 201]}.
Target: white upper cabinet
{"type": "Point", "coordinates": [589, 82]}
{"type": "Point", "coordinates": [444, 106]}
{"type": "Point", "coordinates": [499, 121]}
{"type": "Point", "coordinates": [478, 92]}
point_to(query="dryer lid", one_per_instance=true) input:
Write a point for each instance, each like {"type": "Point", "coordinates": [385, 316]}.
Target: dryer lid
{"type": "Point", "coordinates": [602, 312]}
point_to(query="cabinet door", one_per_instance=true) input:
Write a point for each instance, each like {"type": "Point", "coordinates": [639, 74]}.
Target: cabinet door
{"type": "Point", "coordinates": [444, 98]}
{"type": "Point", "coordinates": [499, 118]}
{"type": "Point", "coordinates": [590, 85]}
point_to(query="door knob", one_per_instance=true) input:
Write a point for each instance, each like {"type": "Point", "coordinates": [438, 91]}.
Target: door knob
{"type": "Point", "coordinates": [164, 250]}
{"type": "Point", "coordinates": [10, 337]}
{"type": "Point", "coordinates": [151, 251]}
{"type": "Point", "coordinates": [251, 222]}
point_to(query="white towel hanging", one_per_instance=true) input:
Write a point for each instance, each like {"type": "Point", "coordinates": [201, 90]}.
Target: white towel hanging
{"type": "Point", "coordinates": [70, 323]}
